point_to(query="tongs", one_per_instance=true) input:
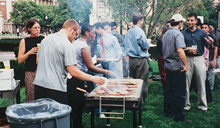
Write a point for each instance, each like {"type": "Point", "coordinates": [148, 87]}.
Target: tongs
{"type": "Point", "coordinates": [82, 90]}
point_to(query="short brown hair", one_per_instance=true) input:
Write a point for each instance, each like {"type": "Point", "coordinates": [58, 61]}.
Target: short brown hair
{"type": "Point", "coordinates": [30, 23]}
{"type": "Point", "coordinates": [136, 17]}
{"type": "Point", "coordinates": [71, 23]}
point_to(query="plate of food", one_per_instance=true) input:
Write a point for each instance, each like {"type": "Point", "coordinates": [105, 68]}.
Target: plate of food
{"type": "Point", "coordinates": [216, 70]}
{"type": "Point", "coordinates": [189, 48]}
{"type": "Point", "coordinates": [152, 45]}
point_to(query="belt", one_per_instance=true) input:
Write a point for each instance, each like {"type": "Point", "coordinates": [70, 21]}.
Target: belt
{"type": "Point", "coordinates": [138, 57]}
{"type": "Point", "coordinates": [193, 55]}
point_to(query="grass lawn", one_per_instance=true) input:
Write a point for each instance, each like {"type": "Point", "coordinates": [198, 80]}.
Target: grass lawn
{"type": "Point", "coordinates": [8, 35]}
{"type": "Point", "coordinates": [152, 111]}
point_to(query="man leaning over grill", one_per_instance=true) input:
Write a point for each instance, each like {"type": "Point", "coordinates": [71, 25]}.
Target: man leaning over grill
{"type": "Point", "coordinates": [136, 47]}
{"type": "Point", "coordinates": [57, 57]}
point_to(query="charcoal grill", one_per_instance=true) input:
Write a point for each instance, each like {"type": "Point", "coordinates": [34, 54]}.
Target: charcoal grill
{"type": "Point", "coordinates": [109, 102]}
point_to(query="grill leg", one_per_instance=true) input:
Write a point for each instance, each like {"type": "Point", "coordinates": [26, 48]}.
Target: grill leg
{"type": "Point", "coordinates": [108, 120]}
{"type": "Point", "coordinates": [134, 119]}
{"type": "Point", "coordinates": [140, 112]}
{"type": "Point", "coordinates": [18, 96]}
{"type": "Point", "coordinates": [92, 118]}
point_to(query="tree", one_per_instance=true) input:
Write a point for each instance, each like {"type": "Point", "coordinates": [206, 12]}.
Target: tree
{"type": "Point", "coordinates": [206, 8]}
{"type": "Point", "coordinates": [80, 10]}
{"type": "Point", "coordinates": [22, 11]}
{"type": "Point", "coordinates": [62, 13]}
{"type": "Point", "coordinates": [50, 12]}
{"type": "Point", "coordinates": [156, 12]}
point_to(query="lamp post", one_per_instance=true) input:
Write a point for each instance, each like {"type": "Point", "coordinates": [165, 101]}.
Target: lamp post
{"type": "Point", "coordinates": [46, 24]}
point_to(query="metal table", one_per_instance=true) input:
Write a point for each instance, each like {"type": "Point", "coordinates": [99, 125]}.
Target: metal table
{"type": "Point", "coordinates": [11, 93]}
{"type": "Point", "coordinates": [108, 102]}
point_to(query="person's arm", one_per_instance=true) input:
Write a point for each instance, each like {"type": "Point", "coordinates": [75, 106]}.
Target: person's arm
{"type": "Point", "coordinates": [117, 49]}
{"type": "Point", "coordinates": [118, 58]}
{"type": "Point", "coordinates": [22, 56]}
{"type": "Point", "coordinates": [209, 40]}
{"type": "Point", "coordinates": [143, 42]}
{"type": "Point", "coordinates": [101, 53]}
{"type": "Point", "coordinates": [213, 63]}
{"type": "Point", "coordinates": [182, 57]}
{"type": "Point", "coordinates": [75, 72]}
{"type": "Point", "coordinates": [89, 64]}
{"type": "Point", "coordinates": [37, 58]}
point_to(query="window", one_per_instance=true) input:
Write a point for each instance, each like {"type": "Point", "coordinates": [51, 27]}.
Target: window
{"type": "Point", "coordinates": [2, 3]}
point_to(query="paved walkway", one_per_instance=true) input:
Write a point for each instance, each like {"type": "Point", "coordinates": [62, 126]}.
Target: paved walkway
{"type": "Point", "coordinates": [12, 37]}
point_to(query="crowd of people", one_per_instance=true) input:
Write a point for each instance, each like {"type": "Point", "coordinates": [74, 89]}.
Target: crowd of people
{"type": "Point", "coordinates": [64, 62]}
{"type": "Point", "coordinates": [187, 58]}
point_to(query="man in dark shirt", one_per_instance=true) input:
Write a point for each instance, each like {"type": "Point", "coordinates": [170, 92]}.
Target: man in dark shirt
{"type": "Point", "coordinates": [195, 60]}
{"type": "Point", "coordinates": [176, 67]}
{"type": "Point", "coordinates": [217, 34]}
{"type": "Point", "coordinates": [212, 55]}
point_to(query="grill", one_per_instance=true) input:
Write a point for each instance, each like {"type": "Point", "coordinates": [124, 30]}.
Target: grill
{"type": "Point", "coordinates": [110, 102]}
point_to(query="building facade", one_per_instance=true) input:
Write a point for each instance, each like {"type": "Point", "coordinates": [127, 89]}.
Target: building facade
{"type": "Point", "coordinates": [216, 2]}
{"type": "Point", "coordinates": [99, 12]}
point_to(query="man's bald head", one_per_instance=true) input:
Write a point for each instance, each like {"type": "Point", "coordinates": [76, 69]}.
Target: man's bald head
{"type": "Point", "coordinates": [71, 23]}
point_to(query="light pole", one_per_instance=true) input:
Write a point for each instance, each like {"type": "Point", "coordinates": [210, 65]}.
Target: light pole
{"type": "Point", "coordinates": [46, 24]}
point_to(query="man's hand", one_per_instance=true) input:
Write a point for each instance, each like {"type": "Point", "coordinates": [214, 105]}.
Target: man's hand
{"type": "Point", "coordinates": [110, 73]}
{"type": "Point", "coordinates": [191, 51]}
{"type": "Point", "coordinates": [98, 80]}
{"type": "Point", "coordinates": [213, 63]}
{"type": "Point", "coordinates": [210, 40]}
{"type": "Point", "coordinates": [34, 50]}
{"type": "Point", "coordinates": [184, 69]}
{"type": "Point", "coordinates": [126, 58]}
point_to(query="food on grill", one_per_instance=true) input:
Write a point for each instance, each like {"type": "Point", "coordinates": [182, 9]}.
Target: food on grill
{"type": "Point", "coordinates": [114, 93]}
{"type": "Point", "coordinates": [124, 93]}
{"type": "Point", "coordinates": [116, 90]}
{"type": "Point", "coordinates": [130, 89]}
{"type": "Point", "coordinates": [132, 86]}
{"type": "Point", "coordinates": [122, 83]}
{"type": "Point", "coordinates": [188, 48]}
{"type": "Point", "coordinates": [117, 86]}
{"type": "Point", "coordinates": [133, 82]}
{"type": "Point", "coordinates": [100, 91]}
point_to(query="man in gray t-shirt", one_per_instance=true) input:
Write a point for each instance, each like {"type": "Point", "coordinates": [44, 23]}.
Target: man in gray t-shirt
{"type": "Point", "coordinates": [176, 66]}
{"type": "Point", "coordinates": [57, 57]}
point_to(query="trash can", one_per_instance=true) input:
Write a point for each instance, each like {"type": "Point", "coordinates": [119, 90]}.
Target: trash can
{"type": "Point", "coordinates": [41, 113]}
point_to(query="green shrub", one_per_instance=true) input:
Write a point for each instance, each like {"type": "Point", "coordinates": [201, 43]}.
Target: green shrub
{"type": "Point", "coordinates": [19, 70]}
{"type": "Point", "coordinates": [10, 45]}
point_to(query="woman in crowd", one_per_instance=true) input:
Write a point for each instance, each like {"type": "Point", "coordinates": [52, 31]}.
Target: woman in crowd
{"type": "Point", "coordinates": [160, 57]}
{"type": "Point", "coordinates": [27, 52]}
{"type": "Point", "coordinates": [84, 63]}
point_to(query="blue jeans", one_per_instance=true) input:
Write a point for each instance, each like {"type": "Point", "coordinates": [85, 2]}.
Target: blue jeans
{"type": "Point", "coordinates": [211, 75]}
{"type": "Point", "coordinates": [174, 95]}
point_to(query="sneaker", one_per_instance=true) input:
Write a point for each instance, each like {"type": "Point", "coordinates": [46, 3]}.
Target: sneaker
{"type": "Point", "coordinates": [102, 115]}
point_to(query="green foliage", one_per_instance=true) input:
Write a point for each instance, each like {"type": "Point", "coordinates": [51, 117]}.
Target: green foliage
{"type": "Point", "coordinates": [22, 11]}
{"type": "Point", "coordinates": [62, 14]}
{"type": "Point", "coordinates": [57, 15]}
{"type": "Point", "coordinates": [80, 9]}
{"type": "Point", "coordinates": [205, 8]}
{"type": "Point", "coordinates": [50, 12]}
{"type": "Point", "coordinates": [156, 12]}
{"type": "Point", "coordinates": [10, 45]}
